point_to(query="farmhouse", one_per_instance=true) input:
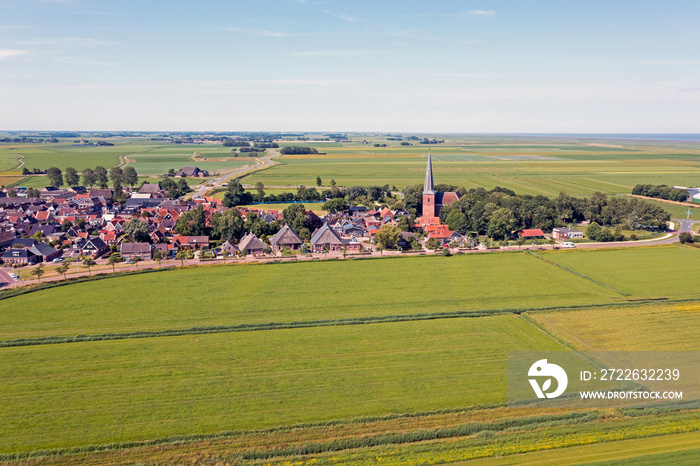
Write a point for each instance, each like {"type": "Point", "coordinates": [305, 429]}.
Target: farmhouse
{"type": "Point", "coordinates": [434, 201]}
{"type": "Point", "coordinates": [326, 238]}
{"type": "Point", "coordinates": [251, 244]}
{"type": "Point", "coordinates": [286, 238]}
{"type": "Point", "coordinates": [534, 233]}
{"type": "Point", "coordinates": [192, 172]}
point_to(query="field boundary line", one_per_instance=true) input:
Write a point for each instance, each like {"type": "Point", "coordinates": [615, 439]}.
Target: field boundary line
{"type": "Point", "coordinates": [578, 274]}
{"type": "Point", "coordinates": [52, 340]}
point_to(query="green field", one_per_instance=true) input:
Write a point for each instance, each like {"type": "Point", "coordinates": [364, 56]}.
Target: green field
{"type": "Point", "coordinates": [237, 294]}
{"type": "Point", "coordinates": [629, 271]}
{"type": "Point", "coordinates": [99, 392]}
{"type": "Point", "coordinates": [525, 165]}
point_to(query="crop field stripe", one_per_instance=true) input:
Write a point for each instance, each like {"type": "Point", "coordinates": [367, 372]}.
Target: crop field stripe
{"type": "Point", "coordinates": [578, 274]}
{"type": "Point", "coordinates": [336, 445]}
{"type": "Point", "coordinates": [330, 323]}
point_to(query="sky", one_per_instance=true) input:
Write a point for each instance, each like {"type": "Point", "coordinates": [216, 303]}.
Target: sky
{"type": "Point", "coordinates": [471, 66]}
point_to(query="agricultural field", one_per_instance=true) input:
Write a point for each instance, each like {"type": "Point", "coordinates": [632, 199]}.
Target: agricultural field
{"type": "Point", "coordinates": [117, 390]}
{"type": "Point", "coordinates": [525, 165]}
{"type": "Point", "coordinates": [280, 293]}
{"type": "Point", "coordinates": [421, 376]}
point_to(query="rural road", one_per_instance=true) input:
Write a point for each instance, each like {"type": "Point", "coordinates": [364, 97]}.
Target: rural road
{"type": "Point", "coordinates": [260, 163]}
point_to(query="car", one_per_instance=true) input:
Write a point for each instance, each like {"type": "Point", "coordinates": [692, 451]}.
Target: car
{"type": "Point", "coordinates": [58, 259]}
{"type": "Point", "coordinates": [568, 245]}
{"type": "Point", "coordinates": [129, 262]}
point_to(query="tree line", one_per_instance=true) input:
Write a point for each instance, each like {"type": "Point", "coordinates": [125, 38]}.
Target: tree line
{"type": "Point", "coordinates": [93, 177]}
{"type": "Point", "coordinates": [499, 211]}
{"type": "Point", "coordinates": [661, 192]}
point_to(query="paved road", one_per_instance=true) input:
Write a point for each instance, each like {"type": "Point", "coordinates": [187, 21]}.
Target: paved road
{"type": "Point", "coordinates": [686, 225]}
{"type": "Point", "coordinates": [260, 163]}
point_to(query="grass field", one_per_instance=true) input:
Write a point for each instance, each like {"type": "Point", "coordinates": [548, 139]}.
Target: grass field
{"type": "Point", "coordinates": [629, 271]}
{"type": "Point", "coordinates": [530, 166]}
{"type": "Point", "coordinates": [68, 395]}
{"type": "Point", "coordinates": [646, 328]}
{"type": "Point", "coordinates": [234, 294]}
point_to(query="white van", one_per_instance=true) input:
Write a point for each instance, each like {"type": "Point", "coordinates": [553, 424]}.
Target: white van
{"type": "Point", "coordinates": [568, 245]}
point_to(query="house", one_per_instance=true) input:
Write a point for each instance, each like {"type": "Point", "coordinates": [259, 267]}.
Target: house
{"type": "Point", "coordinates": [231, 249]}
{"type": "Point", "coordinates": [93, 247]}
{"type": "Point", "coordinates": [286, 238]}
{"type": "Point", "coordinates": [6, 238]}
{"type": "Point", "coordinates": [106, 193]}
{"type": "Point", "coordinates": [326, 238]}
{"type": "Point", "coordinates": [192, 172]}
{"type": "Point", "coordinates": [566, 233]}
{"type": "Point", "coordinates": [251, 244]}
{"type": "Point", "coordinates": [357, 211]}
{"type": "Point", "coordinates": [151, 188]}
{"type": "Point", "coordinates": [130, 250]}
{"type": "Point", "coordinates": [352, 244]}
{"type": "Point", "coordinates": [19, 257]}
{"type": "Point", "coordinates": [44, 252]}
{"type": "Point", "coordinates": [191, 242]}
{"type": "Point", "coordinates": [534, 233]}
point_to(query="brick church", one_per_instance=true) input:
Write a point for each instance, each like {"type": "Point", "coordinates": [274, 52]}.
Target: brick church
{"type": "Point", "coordinates": [433, 201]}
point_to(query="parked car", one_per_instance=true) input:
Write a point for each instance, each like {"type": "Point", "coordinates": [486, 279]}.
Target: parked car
{"type": "Point", "coordinates": [568, 245]}
{"type": "Point", "coordinates": [58, 259]}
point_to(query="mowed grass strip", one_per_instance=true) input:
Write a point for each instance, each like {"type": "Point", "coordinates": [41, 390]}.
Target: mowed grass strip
{"type": "Point", "coordinates": [248, 294]}
{"type": "Point", "coordinates": [114, 391]}
{"type": "Point", "coordinates": [661, 272]}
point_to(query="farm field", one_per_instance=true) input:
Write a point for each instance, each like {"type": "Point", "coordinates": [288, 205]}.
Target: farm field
{"type": "Point", "coordinates": [644, 328]}
{"type": "Point", "coordinates": [238, 294]}
{"type": "Point", "coordinates": [69, 395]}
{"type": "Point", "coordinates": [629, 271]}
{"type": "Point", "coordinates": [99, 392]}
{"type": "Point", "coordinates": [533, 166]}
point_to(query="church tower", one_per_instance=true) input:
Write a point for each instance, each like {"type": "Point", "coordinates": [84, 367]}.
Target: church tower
{"type": "Point", "coordinates": [428, 191]}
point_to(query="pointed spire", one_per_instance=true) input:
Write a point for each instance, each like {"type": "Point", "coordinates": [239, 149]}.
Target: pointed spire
{"type": "Point", "coordinates": [428, 186]}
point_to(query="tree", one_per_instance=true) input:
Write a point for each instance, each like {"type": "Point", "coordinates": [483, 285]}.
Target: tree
{"type": "Point", "coordinates": [137, 229]}
{"type": "Point", "coordinates": [33, 192]}
{"type": "Point", "coordinates": [89, 262]}
{"type": "Point", "coordinates": [388, 236]}
{"type": "Point", "coordinates": [259, 186]}
{"type": "Point", "coordinates": [192, 223]}
{"type": "Point", "coordinates": [318, 181]}
{"type": "Point", "coordinates": [38, 271]}
{"type": "Point", "coordinates": [55, 176]}
{"type": "Point", "coordinates": [114, 259]}
{"type": "Point", "coordinates": [228, 225]}
{"type": "Point", "coordinates": [63, 269]}
{"type": "Point", "coordinates": [130, 177]}
{"type": "Point", "coordinates": [119, 195]}
{"type": "Point", "coordinates": [520, 241]}
{"type": "Point", "coordinates": [224, 254]}
{"type": "Point", "coordinates": [685, 237]}
{"type": "Point", "coordinates": [181, 256]}
{"type": "Point", "coordinates": [332, 183]}
{"type": "Point", "coordinates": [101, 176]}
{"type": "Point", "coordinates": [338, 204]}
{"type": "Point", "coordinates": [594, 231]}
{"type": "Point", "coordinates": [157, 255]}
{"type": "Point", "coordinates": [236, 195]}
{"type": "Point", "coordinates": [72, 177]}
{"type": "Point", "coordinates": [89, 177]}
{"type": "Point", "coordinates": [136, 260]}
{"type": "Point", "coordinates": [116, 175]}
{"type": "Point", "coordinates": [502, 221]}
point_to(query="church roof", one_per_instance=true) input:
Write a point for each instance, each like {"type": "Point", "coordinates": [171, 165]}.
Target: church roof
{"type": "Point", "coordinates": [428, 186]}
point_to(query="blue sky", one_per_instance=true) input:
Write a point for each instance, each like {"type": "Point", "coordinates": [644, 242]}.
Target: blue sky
{"type": "Point", "coordinates": [293, 65]}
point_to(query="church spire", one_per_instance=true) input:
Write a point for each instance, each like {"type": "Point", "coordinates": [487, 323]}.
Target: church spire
{"type": "Point", "coordinates": [428, 186]}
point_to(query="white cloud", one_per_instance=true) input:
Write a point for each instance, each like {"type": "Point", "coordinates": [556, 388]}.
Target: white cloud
{"type": "Point", "coordinates": [8, 53]}
{"type": "Point", "coordinates": [265, 32]}
{"type": "Point", "coordinates": [331, 53]}
{"type": "Point", "coordinates": [78, 41]}
{"type": "Point", "coordinates": [344, 17]}
{"type": "Point", "coordinates": [484, 13]}
{"type": "Point", "coordinates": [459, 14]}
